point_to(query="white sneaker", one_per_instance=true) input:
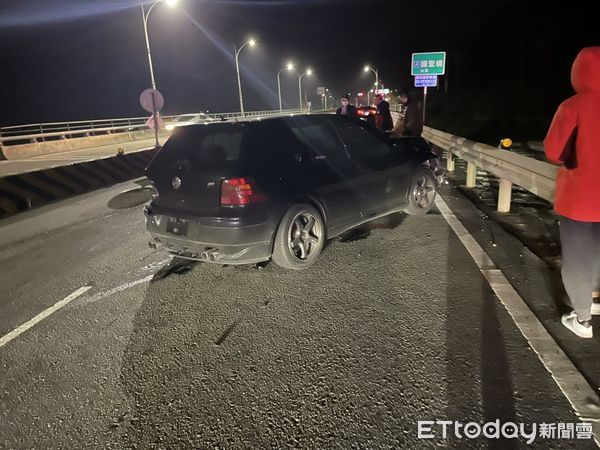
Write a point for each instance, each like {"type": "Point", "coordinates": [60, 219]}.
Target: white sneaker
{"type": "Point", "coordinates": [596, 307]}
{"type": "Point", "coordinates": [570, 321]}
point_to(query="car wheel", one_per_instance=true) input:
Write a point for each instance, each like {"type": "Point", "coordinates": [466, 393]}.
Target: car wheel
{"type": "Point", "coordinates": [421, 194]}
{"type": "Point", "coordinates": [299, 238]}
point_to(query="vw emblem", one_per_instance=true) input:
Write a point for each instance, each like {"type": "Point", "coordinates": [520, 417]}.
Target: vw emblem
{"type": "Point", "coordinates": [176, 183]}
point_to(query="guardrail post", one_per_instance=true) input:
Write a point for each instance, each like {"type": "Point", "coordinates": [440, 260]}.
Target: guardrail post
{"type": "Point", "coordinates": [504, 196]}
{"type": "Point", "coordinates": [450, 161]}
{"type": "Point", "coordinates": [471, 175]}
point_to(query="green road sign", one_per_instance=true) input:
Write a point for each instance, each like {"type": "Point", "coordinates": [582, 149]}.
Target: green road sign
{"type": "Point", "coordinates": [431, 63]}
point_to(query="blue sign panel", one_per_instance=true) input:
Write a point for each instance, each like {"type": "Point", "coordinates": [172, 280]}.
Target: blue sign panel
{"type": "Point", "coordinates": [426, 80]}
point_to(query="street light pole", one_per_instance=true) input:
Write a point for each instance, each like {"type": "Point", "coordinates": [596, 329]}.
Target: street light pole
{"type": "Point", "coordinates": [376, 72]}
{"type": "Point", "coordinates": [251, 43]}
{"type": "Point", "coordinates": [145, 19]}
{"type": "Point", "coordinates": [145, 15]}
{"type": "Point", "coordinates": [289, 66]}
{"type": "Point", "coordinates": [308, 72]}
{"type": "Point", "coordinates": [300, 91]}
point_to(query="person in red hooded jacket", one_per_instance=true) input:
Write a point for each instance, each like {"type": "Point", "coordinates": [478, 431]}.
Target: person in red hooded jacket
{"type": "Point", "coordinates": [573, 142]}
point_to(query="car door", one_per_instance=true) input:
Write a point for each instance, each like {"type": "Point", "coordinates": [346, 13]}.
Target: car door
{"type": "Point", "coordinates": [332, 175]}
{"type": "Point", "coordinates": [382, 173]}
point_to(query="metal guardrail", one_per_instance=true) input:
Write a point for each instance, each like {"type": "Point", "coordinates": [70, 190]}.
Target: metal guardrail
{"type": "Point", "coordinates": [62, 130]}
{"type": "Point", "coordinates": [537, 177]}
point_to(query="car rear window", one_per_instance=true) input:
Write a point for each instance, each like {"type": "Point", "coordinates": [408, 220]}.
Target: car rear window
{"type": "Point", "coordinates": [202, 147]}
{"type": "Point", "coordinates": [223, 148]}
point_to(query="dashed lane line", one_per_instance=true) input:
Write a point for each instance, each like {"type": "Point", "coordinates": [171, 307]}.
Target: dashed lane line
{"type": "Point", "coordinates": [41, 316]}
{"type": "Point", "coordinates": [78, 293]}
{"type": "Point", "coordinates": [115, 290]}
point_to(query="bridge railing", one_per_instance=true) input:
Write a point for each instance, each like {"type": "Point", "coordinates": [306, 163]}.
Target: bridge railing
{"type": "Point", "coordinates": [537, 177]}
{"type": "Point", "coordinates": [19, 134]}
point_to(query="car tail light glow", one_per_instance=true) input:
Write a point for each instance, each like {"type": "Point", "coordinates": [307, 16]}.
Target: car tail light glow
{"type": "Point", "coordinates": [239, 191]}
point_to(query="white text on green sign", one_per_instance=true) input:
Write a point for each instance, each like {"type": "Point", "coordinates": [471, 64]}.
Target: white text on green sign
{"type": "Point", "coordinates": [430, 63]}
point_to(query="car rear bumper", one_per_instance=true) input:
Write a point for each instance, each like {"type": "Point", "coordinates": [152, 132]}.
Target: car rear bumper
{"type": "Point", "coordinates": [224, 241]}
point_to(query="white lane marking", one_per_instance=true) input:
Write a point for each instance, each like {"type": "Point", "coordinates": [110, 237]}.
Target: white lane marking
{"type": "Point", "coordinates": [102, 295]}
{"type": "Point", "coordinates": [574, 386]}
{"type": "Point", "coordinates": [155, 265]}
{"type": "Point", "coordinates": [115, 290]}
{"type": "Point", "coordinates": [41, 316]}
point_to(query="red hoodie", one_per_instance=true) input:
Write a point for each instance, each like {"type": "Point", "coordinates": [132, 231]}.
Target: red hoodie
{"type": "Point", "coordinates": [573, 142]}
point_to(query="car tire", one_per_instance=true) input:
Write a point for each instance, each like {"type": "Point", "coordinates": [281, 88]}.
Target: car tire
{"type": "Point", "coordinates": [299, 238]}
{"type": "Point", "coordinates": [422, 192]}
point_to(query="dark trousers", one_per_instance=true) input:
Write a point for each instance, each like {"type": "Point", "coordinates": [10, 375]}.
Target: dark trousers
{"type": "Point", "coordinates": [580, 242]}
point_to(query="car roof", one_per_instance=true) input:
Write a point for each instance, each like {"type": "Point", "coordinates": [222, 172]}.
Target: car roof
{"type": "Point", "coordinates": [251, 121]}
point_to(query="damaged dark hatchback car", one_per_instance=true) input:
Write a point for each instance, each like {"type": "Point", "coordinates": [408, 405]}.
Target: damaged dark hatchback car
{"type": "Point", "coordinates": [246, 192]}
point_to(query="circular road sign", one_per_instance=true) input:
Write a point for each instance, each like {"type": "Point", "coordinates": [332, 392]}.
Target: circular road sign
{"type": "Point", "coordinates": [152, 100]}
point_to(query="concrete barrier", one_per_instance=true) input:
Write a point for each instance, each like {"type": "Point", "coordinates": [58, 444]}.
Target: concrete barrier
{"type": "Point", "coordinates": [24, 151]}
{"type": "Point", "coordinates": [32, 189]}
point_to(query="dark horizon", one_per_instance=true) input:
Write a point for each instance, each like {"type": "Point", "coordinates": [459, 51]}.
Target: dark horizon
{"type": "Point", "coordinates": [507, 57]}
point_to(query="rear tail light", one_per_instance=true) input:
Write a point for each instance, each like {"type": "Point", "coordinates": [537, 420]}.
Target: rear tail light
{"type": "Point", "coordinates": [239, 191]}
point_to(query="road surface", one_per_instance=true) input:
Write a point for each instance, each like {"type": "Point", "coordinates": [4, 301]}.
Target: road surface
{"type": "Point", "coordinates": [395, 324]}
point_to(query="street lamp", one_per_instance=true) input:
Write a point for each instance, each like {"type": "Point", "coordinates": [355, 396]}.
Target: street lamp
{"type": "Point", "coordinates": [251, 43]}
{"type": "Point", "coordinates": [370, 69]}
{"type": "Point", "coordinates": [288, 67]}
{"type": "Point", "coordinates": [309, 73]}
{"type": "Point", "coordinates": [145, 16]}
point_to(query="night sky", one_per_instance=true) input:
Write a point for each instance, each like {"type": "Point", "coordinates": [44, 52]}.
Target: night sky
{"type": "Point", "coordinates": [508, 61]}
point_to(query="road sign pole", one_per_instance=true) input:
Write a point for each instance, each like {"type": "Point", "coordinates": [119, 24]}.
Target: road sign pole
{"type": "Point", "coordinates": [424, 102]}
{"type": "Point", "coordinates": [152, 101]}
{"type": "Point", "coordinates": [155, 114]}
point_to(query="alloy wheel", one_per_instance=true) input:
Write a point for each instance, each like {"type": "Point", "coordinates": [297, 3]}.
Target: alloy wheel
{"type": "Point", "coordinates": [423, 192]}
{"type": "Point", "coordinates": [304, 237]}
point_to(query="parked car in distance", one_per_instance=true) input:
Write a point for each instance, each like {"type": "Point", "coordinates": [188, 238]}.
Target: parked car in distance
{"type": "Point", "coordinates": [366, 110]}
{"type": "Point", "coordinates": [245, 192]}
{"type": "Point", "coordinates": [189, 119]}
{"type": "Point", "coordinates": [367, 113]}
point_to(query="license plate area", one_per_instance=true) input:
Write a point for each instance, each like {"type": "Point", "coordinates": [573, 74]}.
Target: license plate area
{"type": "Point", "coordinates": [176, 226]}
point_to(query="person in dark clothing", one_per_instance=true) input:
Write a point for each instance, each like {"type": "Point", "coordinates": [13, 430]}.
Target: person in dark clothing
{"type": "Point", "coordinates": [411, 123]}
{"type": "Point", "coordinates": [346, 109]}
{"type": "Point", "coordinates": [383, 121]}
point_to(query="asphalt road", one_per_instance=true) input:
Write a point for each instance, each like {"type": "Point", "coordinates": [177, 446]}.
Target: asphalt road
{"type": "Point", "coordinates": [393, 325]}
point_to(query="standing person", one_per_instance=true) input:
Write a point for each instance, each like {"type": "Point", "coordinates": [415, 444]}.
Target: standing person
{"type": "Point", "coordinates": [384, 120]}
{"type": "Point", "coordinates": [411, 124]}
{"type": "Point", "coordinates": [573, 142]}
{"type": "Point", "coordinates": [346, 109]}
